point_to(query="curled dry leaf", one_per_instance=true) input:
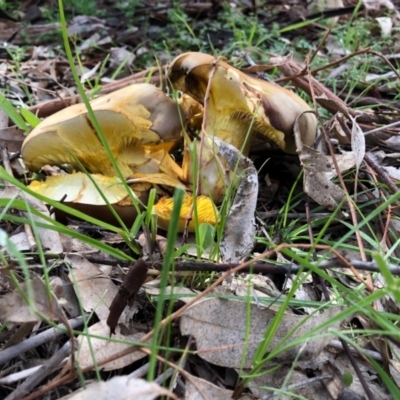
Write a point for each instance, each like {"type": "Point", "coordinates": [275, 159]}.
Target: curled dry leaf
{"type": "Point", "coordinates": [64, 291]}
{"type": "Point", "coordinates": [219, 327]}
{"type": "Point", "coordinates": [130, 118]}
{"type": "Point", "coordinates": [317, 166]}
{"type": "Point", "coordinates": [240, 228]}
{"type": "Point", "coordinates": [357, 142]}
{"type": "Point", "coordinates": [239, 105]}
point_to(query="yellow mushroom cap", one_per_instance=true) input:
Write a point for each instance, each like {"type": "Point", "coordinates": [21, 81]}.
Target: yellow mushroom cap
{"type": "Point", "coordinates": [206, 212]}
{"type": "Point", "coordinates": [79, 188]}
{"type": "Point", "coordinates": [79, 192]}
{"type": "Point", "coordinates": [132, 117]}
{"type": "Point", "coordinates": [239, 103]}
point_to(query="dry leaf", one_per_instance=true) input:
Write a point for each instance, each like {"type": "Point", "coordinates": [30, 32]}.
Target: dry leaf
{"type": "Point", "coordinates": [64, 291]}
{"type": "Point", "coordinates": [12, 137]}
{"type": "Point", "coordinates": [316, 181]}
{"type": "Point", "coordinates": [357, 142]}
{"type": "Point", "coordinates": [345, 161]}
{"type": "Point", "coordinates": [238, 238]}
{"type": "Point", "coordinates": [42, 303]}
{"type": "Point", "coordinates": [152, 289]}
{"type": "Point", "coordinates": [95, 289]}
{"type": "Point", "coordinates": [200, 389]}
{"type": "Point", "coordinates": [3, 120]}
{"type": "Point", "coordinates": [20, 241]}
{"type": "Point", "coordinates": [335, 386]}
{"type": "Point", "coordinates": [103, 347]}
{"type": "Point", "coordinates": [121, 388]}
{"type": "Point", "coordinates": [219, 327]}
{"type": "Point", "coordinates": [49, 239]}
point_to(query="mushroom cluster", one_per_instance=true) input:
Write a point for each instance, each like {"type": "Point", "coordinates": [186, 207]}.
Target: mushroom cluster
{"type": "Point", "coordinates": [141, 126]}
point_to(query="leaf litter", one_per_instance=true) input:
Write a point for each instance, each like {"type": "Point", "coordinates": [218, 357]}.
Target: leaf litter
{"type": "Point", "coordinates": [219, 332]}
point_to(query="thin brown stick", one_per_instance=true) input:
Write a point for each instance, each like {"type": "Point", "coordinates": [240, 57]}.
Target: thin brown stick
{"type": "Point", "coordinates": [331, 64]}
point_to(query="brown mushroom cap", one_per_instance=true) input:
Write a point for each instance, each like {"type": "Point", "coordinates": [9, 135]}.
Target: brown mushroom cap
{"type": "Point", "coordinates": [130, 118]}
{"type": "Point", "coordinates": [239, 103]}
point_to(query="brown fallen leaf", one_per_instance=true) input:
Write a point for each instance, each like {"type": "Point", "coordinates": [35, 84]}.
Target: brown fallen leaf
{"type": "Point", "coordinates": [93, 287]}
{"type": "Point", "coordinates": [13, 137]}
{"type": "Point", "coordinates": [31, 303]}
{"type": "Point", "coordinates": [219, 327]}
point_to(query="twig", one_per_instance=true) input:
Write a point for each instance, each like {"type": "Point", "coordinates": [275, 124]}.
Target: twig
{"type": "Point", "coordinates": [360, 376]}
{"type": "Point", "coordinates": [337, 344]}
{"type": "Point", "coordinates": [331, 64]}
{"type": "Point", "coordinates": [350, 203]}
{"type": "Point", "coordinates": [382, 173]}
{"type": "Point", "coordinates": [381, 128]}
{"type": "Point", "coordinates": [260, 267]}
{"type": "Point", "coordinates": [301, 384]}
{"type": "Point", "coordinates": [256, 267]}
{"type": "Point", "coordinates": [37, 340]}
{"type": "Point", "coordinates": [46, 369]}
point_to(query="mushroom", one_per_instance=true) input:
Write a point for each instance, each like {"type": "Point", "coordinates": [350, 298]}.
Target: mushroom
{"type": "Point", "coordinates": [134, 120]}
{"type": "Point", "coordinates": [238, 108]}
{"type": "Point", "coordinates": [79, 192]}
{"type": "Point", "coordinates": [140, 124]}
{"type": "Point", "coordinates": [206, 212]}
{"type": "Point", "coordinates": [241, 106]}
